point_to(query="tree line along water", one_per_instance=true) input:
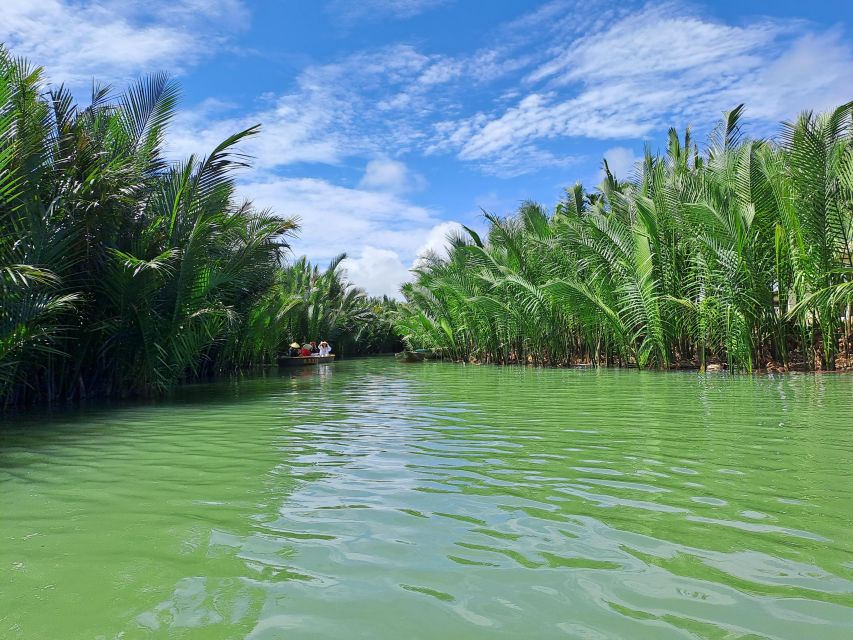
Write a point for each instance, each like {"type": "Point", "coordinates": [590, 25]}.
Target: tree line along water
{"type": "Point", "coordinates": [738, 255]}
{"type": "Point", "coordinates": [123, 274]}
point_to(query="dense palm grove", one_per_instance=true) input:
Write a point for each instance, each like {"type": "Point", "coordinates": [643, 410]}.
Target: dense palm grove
{"type": "Point", "coordinates": [121, 273]}
{"type": "Point", "coordinates": [741, 255]}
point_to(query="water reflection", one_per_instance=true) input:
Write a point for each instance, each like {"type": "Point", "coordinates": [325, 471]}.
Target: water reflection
{"type": "Point", "coordinates": [372, 499]}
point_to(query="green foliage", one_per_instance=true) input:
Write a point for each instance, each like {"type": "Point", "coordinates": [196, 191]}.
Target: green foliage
{"type": "Point", "coordinates": [741, 254]}
{"type": "Point", "coordinates": [121, 273]}
{"type": "Point", "coordinates": [323, 305]}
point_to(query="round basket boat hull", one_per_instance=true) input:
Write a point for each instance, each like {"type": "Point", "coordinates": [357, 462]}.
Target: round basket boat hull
{"type": "Point", "coordinates": [304, 361]}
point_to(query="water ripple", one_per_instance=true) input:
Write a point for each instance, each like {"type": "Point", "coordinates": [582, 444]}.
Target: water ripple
{"type": "Point", "coordinates": [370, 499]}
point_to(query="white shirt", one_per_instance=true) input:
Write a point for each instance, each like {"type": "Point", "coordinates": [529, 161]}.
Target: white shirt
{"type": "Point", "coordinates": [324, 351]}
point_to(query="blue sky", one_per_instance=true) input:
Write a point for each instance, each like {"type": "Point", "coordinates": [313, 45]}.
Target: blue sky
{"type": "Point", "coordinates": [386, 123]}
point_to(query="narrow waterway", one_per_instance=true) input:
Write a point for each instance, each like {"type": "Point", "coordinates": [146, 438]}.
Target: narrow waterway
{"type": "Point", "coordinates": [372, 499]}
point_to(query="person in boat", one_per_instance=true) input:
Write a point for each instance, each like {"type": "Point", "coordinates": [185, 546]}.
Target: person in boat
{"type": "Point", "coordinates": [294, 350]}
{"type": "Point", "coordinates": [314, 348]}
{"type": "Point", "coordinates": [305, 351]}
{"type": "Point", "coordinates": [325, 349]}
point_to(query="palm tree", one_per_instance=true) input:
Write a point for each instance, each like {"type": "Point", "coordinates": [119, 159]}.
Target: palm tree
{"type": "Point", "coordinates": [740, 254]}
{"type": "Point", "coordinates": [818, 219]}
{"type": "Point", "coordinates": [120, 273]}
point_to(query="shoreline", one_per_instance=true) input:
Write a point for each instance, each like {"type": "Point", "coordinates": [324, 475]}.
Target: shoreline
{"type": "Point", "coordinates": [795, 369]}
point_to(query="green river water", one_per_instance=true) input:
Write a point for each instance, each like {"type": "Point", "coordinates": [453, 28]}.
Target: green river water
{"type": "Point", "coordinates": [372, 499]}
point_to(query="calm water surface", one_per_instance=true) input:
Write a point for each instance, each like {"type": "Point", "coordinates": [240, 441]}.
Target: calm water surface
{"type": "Point", "coordinates": [371, 499]}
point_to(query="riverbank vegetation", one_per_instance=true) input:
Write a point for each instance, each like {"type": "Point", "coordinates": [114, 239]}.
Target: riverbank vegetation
{"type": "Point", "coordinates": [741, 255]}
{"type": "Point", "coordinates": [122, 273]}
{"type": "Point", "coordinates": [324, 303]}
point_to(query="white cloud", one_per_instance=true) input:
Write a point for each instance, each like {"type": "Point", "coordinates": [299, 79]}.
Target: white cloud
{"type": "Point", "coordinates": [622, 162]}
{"type": "Point", "coordinates": [659, 40]}
{"type": "Point", "coordinates": [441, 71]}
{"type": "Point", "coordinates": [338, 219]}
{"type": "Point", "coordinates": [334, 111]}
{"type": "Point", "coordinates": [644, 71]}
{"type": "Point", "coordinates": [333, 214]}
{"type": "Point", "coordinates": [113, 40]}
{"type": "Point", "coordinates": [369, 104]}
{"type": "Point", "coordinates": [290, 132]}
{"type": "Point", "coordinates": [384, 174]}
{"type": "Point", "coordinates": [436, 240]}
{"type": "Point", "coordinates": [380, 272]}
{"type": "Point", "coordinates": [383, 271]}
{"type": "Point", "coordinates": [350, 10]}
{"type": "Point", "coordinates": [815, 72]}
{"type": "Point", "coordinates": [566, 71]}
{"type": "Point", "coordinates": [381, 232]}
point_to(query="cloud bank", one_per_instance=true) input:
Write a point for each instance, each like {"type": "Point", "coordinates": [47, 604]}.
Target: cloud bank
{"type": "Point", "coordinates": [533, 99]}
